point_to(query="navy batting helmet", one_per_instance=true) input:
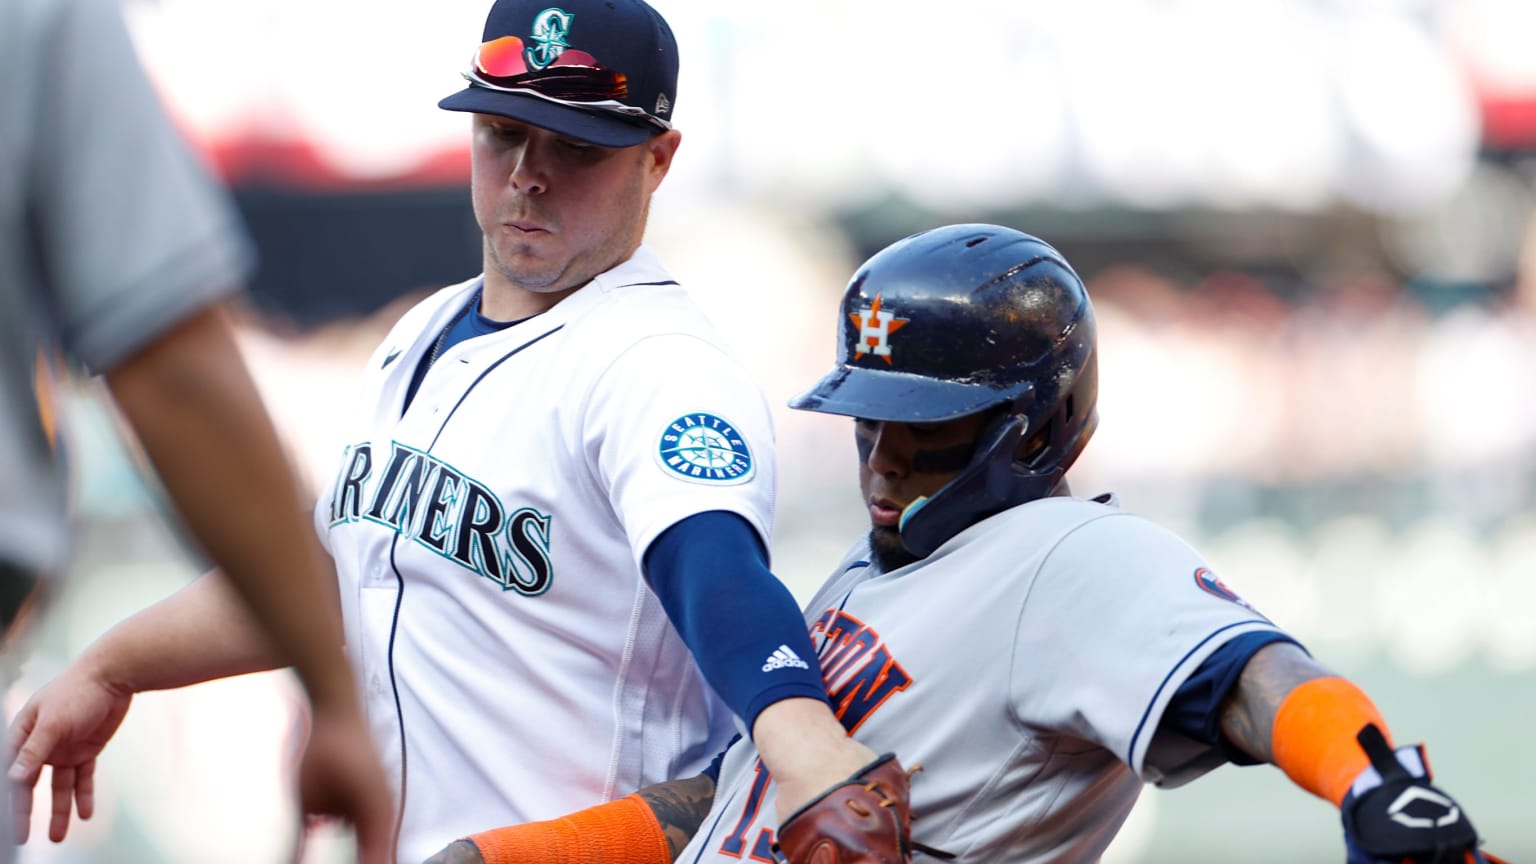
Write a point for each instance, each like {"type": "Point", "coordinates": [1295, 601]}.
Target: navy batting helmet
{"type": "Point", "coordinates": [960, 320]}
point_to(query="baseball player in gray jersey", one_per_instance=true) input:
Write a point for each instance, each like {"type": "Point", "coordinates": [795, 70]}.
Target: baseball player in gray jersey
{"type": "Point", "coordinates": [550, 523]}
{"type": "Point", "coordinates": [1041, 655]}
{"type": "Point", "coordinates": [118, 250]}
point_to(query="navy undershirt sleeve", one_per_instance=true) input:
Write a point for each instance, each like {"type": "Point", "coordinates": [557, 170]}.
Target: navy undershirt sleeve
{"type": "Point", "coordinates": [711, 573]}
{"type": "Point", "coordinates": [1195, 710]}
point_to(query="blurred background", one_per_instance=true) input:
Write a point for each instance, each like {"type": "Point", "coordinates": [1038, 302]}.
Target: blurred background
{"type": "Point", "coordinates": [1306, 224]}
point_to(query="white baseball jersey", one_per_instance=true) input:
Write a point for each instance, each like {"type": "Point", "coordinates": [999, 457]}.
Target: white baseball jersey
{"type": "Point", "coordinates": [488, 543]}
{"type": "Point", "coordinates": [1025, 665]}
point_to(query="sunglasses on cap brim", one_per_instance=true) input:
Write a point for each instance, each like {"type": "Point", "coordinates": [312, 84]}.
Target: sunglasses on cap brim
{"type": "Point", "coordinates": [575, 79]}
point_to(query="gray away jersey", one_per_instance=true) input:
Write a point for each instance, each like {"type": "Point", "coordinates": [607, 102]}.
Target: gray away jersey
{"type": "Point", "coordinates": [1025, 665]}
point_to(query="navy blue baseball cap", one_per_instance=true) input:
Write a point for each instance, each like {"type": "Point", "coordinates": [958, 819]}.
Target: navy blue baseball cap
{"type": "Point", "coordinates": [601, 71]}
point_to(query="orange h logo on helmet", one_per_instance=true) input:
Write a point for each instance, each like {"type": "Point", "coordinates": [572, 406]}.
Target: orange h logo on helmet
{"type": "Point", "coordinates": [875, 328]}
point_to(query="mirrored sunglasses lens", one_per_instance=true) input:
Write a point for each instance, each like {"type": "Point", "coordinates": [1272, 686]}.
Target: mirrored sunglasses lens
{"type": "Point", "coordinates": [501, 58]}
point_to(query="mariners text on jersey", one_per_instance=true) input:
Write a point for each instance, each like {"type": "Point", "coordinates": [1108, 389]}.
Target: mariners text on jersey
{"type": "Point", "coordinates": [428, 502]}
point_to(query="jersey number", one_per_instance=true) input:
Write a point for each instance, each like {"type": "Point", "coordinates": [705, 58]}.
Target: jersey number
{"type": "Point", "coordinates": [736, 843]}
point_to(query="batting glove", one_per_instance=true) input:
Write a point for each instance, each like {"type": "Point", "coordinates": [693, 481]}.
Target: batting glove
{"type": "Point", "coordinates": [1392, 815]}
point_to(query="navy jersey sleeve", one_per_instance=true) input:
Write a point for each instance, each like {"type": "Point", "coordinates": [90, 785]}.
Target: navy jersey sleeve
{"type": "Point", "coordinates": [743, 627]}
{"type": "Point", "coordinates": [1195, 710]}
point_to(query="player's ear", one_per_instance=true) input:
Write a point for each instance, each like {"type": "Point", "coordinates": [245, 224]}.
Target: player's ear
{"type": "Point", "coordinates": [659, 152]}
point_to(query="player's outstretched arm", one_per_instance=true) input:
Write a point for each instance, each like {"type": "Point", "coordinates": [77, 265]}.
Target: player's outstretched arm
{"type": "Point", "coordinates": [1330, 739]}
{"type": "Point", "coordinates": [196, 412]}
{"type": "Point", "coordinates": [710, 572]}
{"type": "Point", "coordinates": [649, 827]}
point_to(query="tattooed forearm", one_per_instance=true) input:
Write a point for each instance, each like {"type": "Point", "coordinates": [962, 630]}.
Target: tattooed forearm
{"type": "Point", "coordinates": [457, 852]}
{"type": "Point", "coordinates": [1248, 715]}
{"type": "Point", "coordinates": [680, 806]}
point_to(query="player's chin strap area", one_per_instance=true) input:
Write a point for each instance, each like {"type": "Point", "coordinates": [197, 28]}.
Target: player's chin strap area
{"type": "Point", "coordinates": [985, 486]}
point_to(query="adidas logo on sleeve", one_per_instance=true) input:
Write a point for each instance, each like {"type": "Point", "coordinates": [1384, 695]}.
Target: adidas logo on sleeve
{"type": "Point", "coordinates": [784, 657]}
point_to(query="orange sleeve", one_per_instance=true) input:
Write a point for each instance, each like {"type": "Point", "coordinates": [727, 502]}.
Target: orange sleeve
{"type": "Point", "coordinates": [625, 831]}
{"type": "Point", "coordinates": [1314, 735]}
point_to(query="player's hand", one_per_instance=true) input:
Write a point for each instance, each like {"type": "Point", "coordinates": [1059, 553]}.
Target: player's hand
{"type": "Point", "coordinates": [811, 777]}
{"type": "Point", "coordinates": [1393, 815]}
{"type": "Point", "coordinates": [65, 725]}
{"type": "Point", "coordinates": [340, 776]}
{"type": "Point", "coordinates": [806, 749]}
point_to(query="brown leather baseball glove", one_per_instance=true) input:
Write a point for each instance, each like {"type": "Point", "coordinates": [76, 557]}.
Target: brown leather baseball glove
{"type": "Point", "coordinates": [866, 819]}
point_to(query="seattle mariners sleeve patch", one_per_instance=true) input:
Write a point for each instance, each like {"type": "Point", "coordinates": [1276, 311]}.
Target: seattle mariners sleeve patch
{"type": "Point", "coordinates": [705, 449]}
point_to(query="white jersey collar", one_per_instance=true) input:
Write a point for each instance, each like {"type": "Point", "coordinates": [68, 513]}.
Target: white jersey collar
{"type": "Point", "coordinates": [641, 268]}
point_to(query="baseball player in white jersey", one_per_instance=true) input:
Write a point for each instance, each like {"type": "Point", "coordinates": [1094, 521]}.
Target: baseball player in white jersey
{"type": "Point", "coordinates": [1041, 655]}
{"type": "Point", "coordinates": [513, 596]}
{"type": "Point", "coordinates": [550, 524]}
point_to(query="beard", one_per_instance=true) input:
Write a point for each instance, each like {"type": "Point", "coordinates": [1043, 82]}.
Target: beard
{"type": "Point", "coordinates": [886, 549]}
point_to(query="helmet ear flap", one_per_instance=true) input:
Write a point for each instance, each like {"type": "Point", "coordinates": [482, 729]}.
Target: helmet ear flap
{"type": "Point", "coordinates": [977, 492]}
{"type": "Point", "coordinates": [1079, 415]}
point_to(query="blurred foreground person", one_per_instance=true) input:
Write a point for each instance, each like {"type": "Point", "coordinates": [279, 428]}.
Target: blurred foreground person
{"type": "Point", "coordinates": [117, 250]}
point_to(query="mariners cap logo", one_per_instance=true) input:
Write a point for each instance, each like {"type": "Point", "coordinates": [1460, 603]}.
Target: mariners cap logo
{"type": "Point", "coordinates": [547, 42]}
{"type": "Point", "coordinates": [706, 449]}
{"type": "Point", "coordinates": [875, 328]}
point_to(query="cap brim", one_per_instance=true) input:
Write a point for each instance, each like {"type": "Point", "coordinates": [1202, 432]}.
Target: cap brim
{"type": "Point", "coordinates": [873, 394]}
{"type": "Point", "coordinates": [594, 127]}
